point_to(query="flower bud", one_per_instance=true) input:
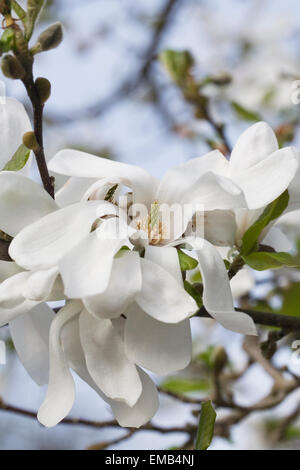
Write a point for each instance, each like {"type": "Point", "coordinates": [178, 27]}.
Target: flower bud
{"type": "Point", "coordinates": [29, 140]}
{"type": "Point", "coordinates": [43, 87]}
{"type": "Point", "coordinates": [12, 68]}
{"type": "Point", "coordinates": [50, 38]}
{"type": "Point", "coordinates": [219, 359]}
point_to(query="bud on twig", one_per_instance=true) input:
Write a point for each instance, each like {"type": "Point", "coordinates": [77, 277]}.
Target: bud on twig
{"type": "Point", "coordinates": [219, 359]}
{"type": "Point", "coordinates": [29, 140]}
{"type": "Point", "coordinates": [43, 87]}
{"type": "Point", "coordinates": [12, 68]}
{"type": "Point", "coordinates": [49, 39]}
{"type": "Point", "coordinates": [33, 9]}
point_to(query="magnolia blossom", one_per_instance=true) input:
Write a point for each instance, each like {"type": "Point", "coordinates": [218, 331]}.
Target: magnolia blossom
{"type": "Point", "coordinates": [261, 165]}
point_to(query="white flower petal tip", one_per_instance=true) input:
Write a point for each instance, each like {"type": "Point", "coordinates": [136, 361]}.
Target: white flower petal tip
{"type": "Point", "coordinates": [237, 322]}
{"type": "Point", "coordinates": [143, 410]}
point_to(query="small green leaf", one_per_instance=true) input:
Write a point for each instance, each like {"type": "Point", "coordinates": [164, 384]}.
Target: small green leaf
{"type": "Point", "coordinates": [207, 356]}
{"type": "Point", "coordinates": [206, 426]}
{"type": "Point", "coordinates": [183, 385]}
{"type": "Point", "coordinates": [291, 300]}
{"type": "Point", "coordinates": [186, 262]}
{"type": "Point", "coordinates": [271, 212]}
{"type": "Point", "coordinates": [264, 260]}
{"type": "Point", "coordinates": [7, 40]}
{"type": "Point", "coordinates": [18, 160]}
{"type": "Point", "coordinates": [193, 293]}
{"type": "Point", "coordinates": [244, 113]}
{"type": "Point", "coordinates": [177, 64]}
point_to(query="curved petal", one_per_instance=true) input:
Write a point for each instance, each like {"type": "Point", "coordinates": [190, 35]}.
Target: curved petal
{"type": "Point", "coordinates": [76, 163]}
{"type": "Point", "coordinates": [22, 202]}
{"type": "Point", "coordinates": [143, 410]}
{"type": "Point", "coordinates": [14, 122]}
{"type": "Point", "coordinates": [212, 191]}
{"type": "Point", "coordinates": [277, 240]}
{"type": "Point", "coordinates": [162, 297]}
{"type": "Point", "coordinates": [12, 301]}
{"type": "Point", "coordinates": [127, 416]}
{"type": "Point", "coordinates": [177, 182]}
{"type": "Point", "coordinates": [106, 360]}
{"type": "Point", "coordinates": [73, 190]}
{"type": "Point", "coordinates": [40, 284]}
{"type": "Point", "coordinates": [265, 181]}
{"type": "Point", "coordinates": [86, 269]}
{"type": "Point", "coordinates": [253, 146]}
{"type": "Point", "coordinates": [242, 283]}
{"type": "Point", "coordinates": [217, 296]}
{"type": "Point", "coordinates": [61, 389]}
{"type": "Point", "coordinates": [124, 284]}
{"type": "Point", "coordinates": [30, 335]}
{"type": "Point", "coordinates": [160, 347]}
{"type": "Point", "coordinates": [167, 258]}
{"type": "Point", "coordinates": [42, 244]}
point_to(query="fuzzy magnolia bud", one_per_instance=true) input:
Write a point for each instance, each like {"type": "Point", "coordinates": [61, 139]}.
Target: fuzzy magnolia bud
{"type": "Point", "coordinates": [50, 38]}
{"type": "Point", "coordinates": [219, 359]}
{"type": "Point", "coordinates": [43, 88]}
{"type": "Point", "coordinates": [29, 140]}
{"type": "Point", "coordinates": [12, 68]}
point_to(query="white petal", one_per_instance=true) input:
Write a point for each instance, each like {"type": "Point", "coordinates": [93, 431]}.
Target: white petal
{"type": "Point", "coordinates": [30, 335]}
{"type": "Point", "coordinates": [40, 284]}
{"type": "Point", "coordinates": [143, 410]}
{"type": "Point", "coordinates": [265, 181]}
{"type": "Point", "coordinates": [106, 360]}
{"type": "Point", "coordinates": [12, 301]}
{"type": "Point", "coordinates": [22, 202]}
{"type": "Point", "coordinates": [277, 240]}
{"type": "Point", "coordinates": [14, 122]}
{"type": "Point", "coordinates": [76, 163]}
{"type": "Point", "coordinates": [220, 227]}
{"type": "Point", "coordinates": [61, 390]}
{"type": "Point", "coordinates": [124, 284]}
{"type": "Point", "coordinates": [167, 258]}
{"type": "Point", "coordinates": [8, 269]}
{"type": "Point", "coordinates": [217, 296]}
{"type": "Point", "coordinates": [212, 191]}
{"type": "Point", "coordinates": [253, 146]}
{"type": "Point", "coordinates": [73, 191]}
{"type": "Point", "coordinates": [86, 269]}
{"type": "Point", "coordinates": [160, 347]}
{"type": "Point", "coordinates": [178, 181]}
{"type": "Point", "coordinates": [162, 296]}
{"type": "Point", "coordinates": [44, 243]}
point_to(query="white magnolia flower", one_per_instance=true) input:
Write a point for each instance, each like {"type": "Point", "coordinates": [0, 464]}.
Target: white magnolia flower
{"type": "Point", "coordinates": [94, 349]}
{"type": "Point", "coordinates": [14, 123]}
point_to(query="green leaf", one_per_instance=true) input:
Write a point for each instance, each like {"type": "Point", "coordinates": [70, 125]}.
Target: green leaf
{"type": "Point", "coordinates": [193, 293]}
{"type": "Point", "coordinates": [180, 385]}
{"type": "Point", "coordinates": [244, 113]}
{"type": "Point", "coordinates": [18, 160]}
{"type": "Point", "coordinates": [271, 212]}
{"type": "Point", "coordinates": [7, 40]}
{"type": "Point", "coordinates": [186, 262]}
{"type": "Point", "coordinates": [265, 260]}
{"type": "Point", "coordinates": [206, 426]}
{"type": "Point", "coordinates": [177, 64]}
{"type": "Point", "coordinates": [207, 356]}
